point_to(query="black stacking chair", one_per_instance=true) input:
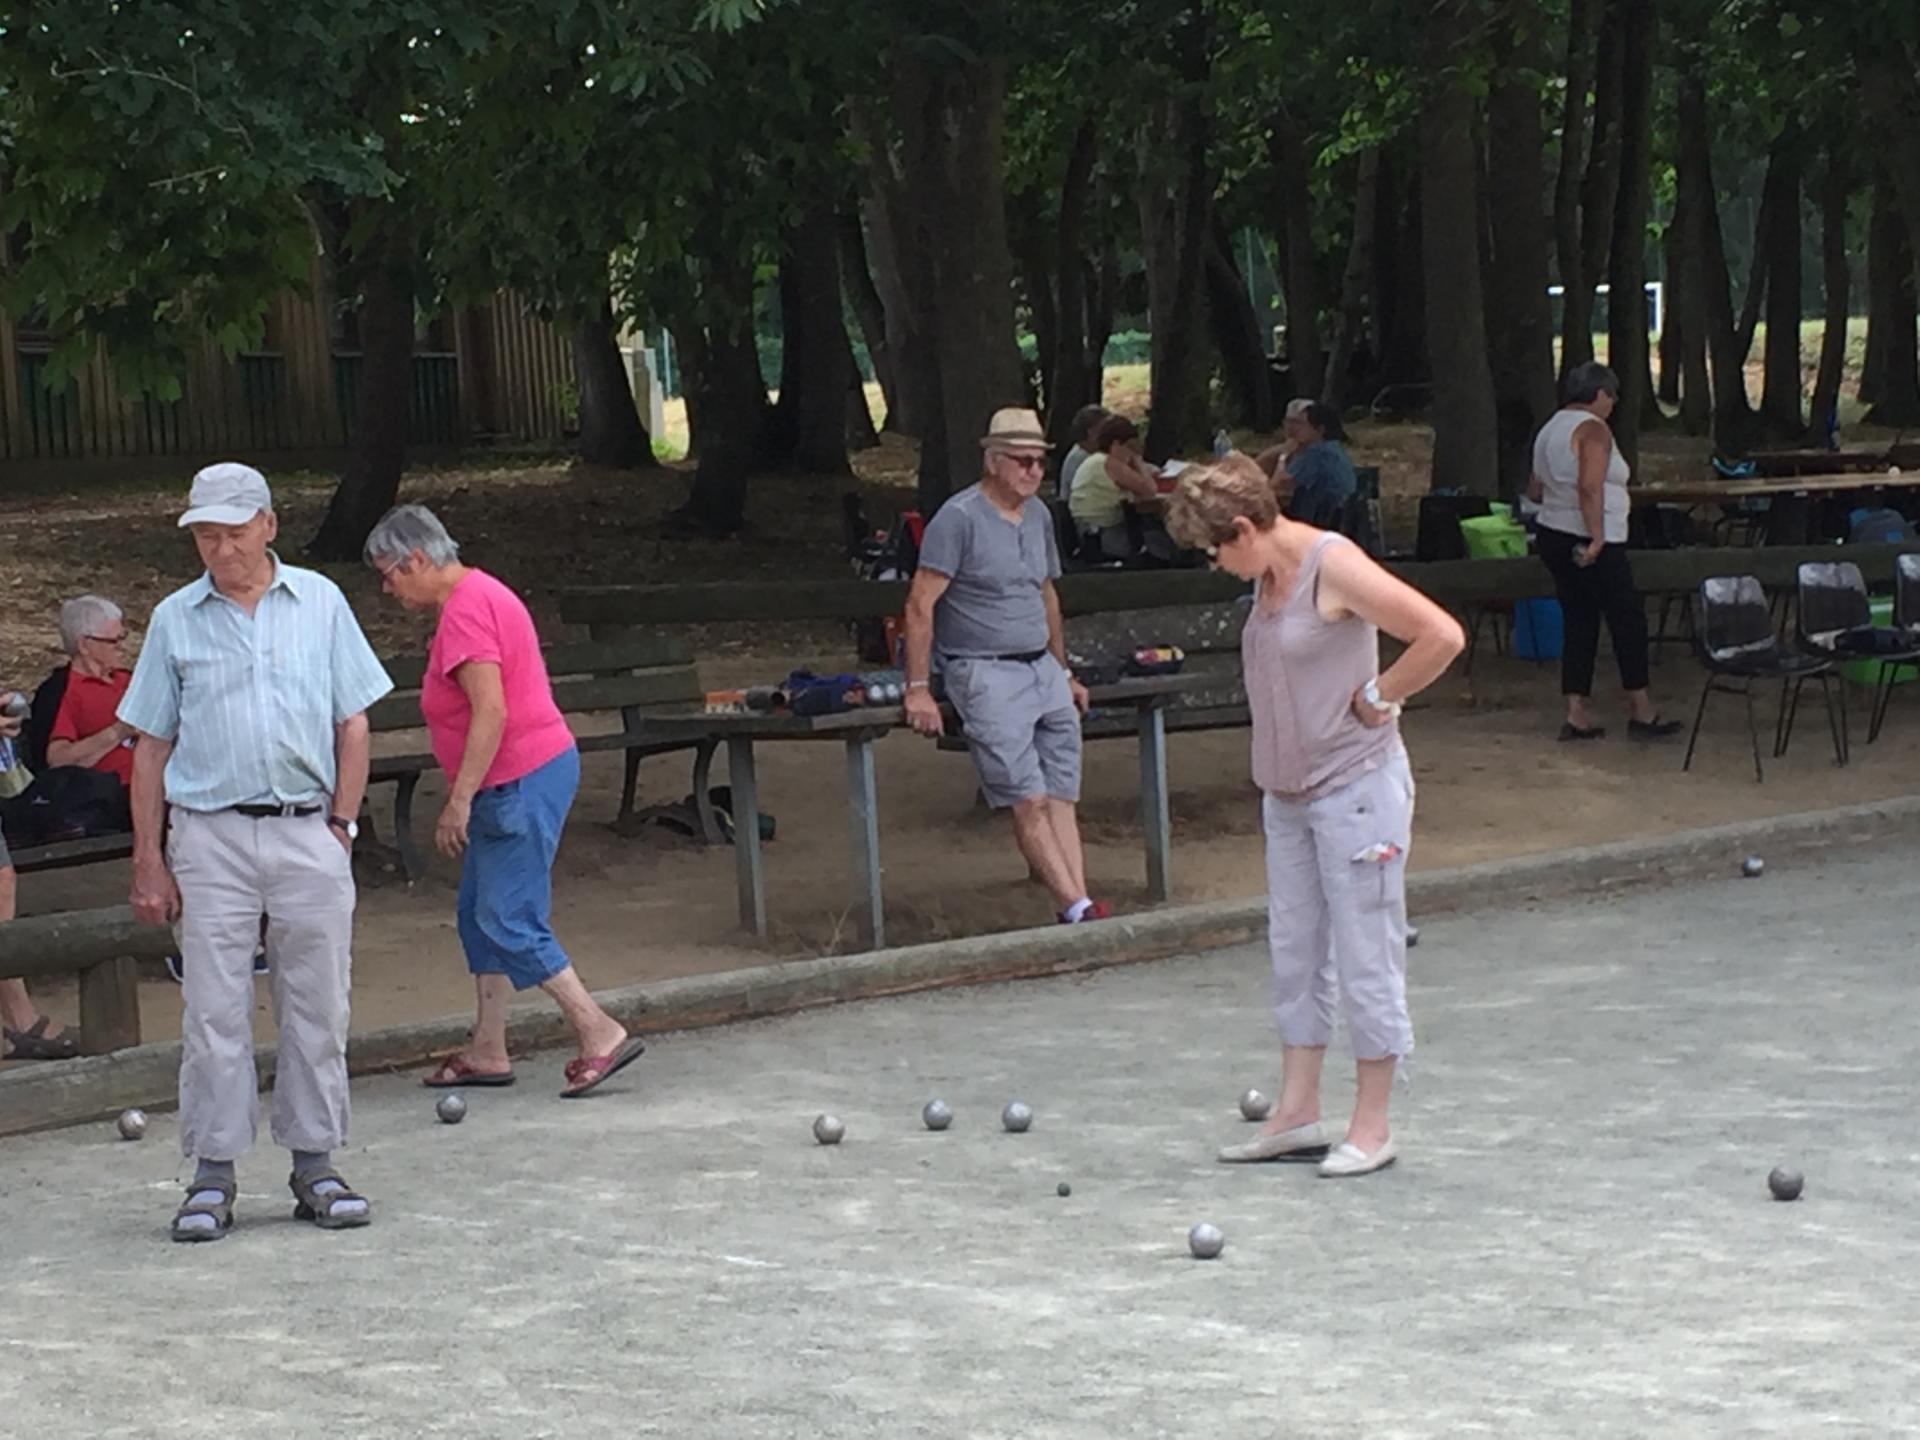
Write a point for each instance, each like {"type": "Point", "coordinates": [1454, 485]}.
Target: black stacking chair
{"type": "Point", "coordinates": [1906, 625]}
{"type": "Point", "coordinates": [1734, 638]}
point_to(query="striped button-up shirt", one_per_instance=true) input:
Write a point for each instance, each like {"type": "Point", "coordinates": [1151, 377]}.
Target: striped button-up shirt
{"type": "Point", "coordinates": [251, 701]}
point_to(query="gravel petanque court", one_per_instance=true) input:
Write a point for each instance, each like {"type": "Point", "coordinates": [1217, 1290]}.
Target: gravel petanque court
{"type": "Point", "coordinates": [1577, 1241]}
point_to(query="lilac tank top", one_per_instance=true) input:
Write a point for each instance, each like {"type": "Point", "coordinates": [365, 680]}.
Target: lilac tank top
{"type": "Point", "coordinates": [1301, 672]}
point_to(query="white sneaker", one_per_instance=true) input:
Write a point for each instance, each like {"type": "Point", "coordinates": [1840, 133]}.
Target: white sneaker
{"type": "Point", "coordinates": [1278, 1145]}
{"type": "Point", "coordinates": [1345, 1160]}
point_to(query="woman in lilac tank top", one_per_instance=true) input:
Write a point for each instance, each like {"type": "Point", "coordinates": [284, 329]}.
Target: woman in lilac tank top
{"type": "Point", "coordinates": [1336, 794]}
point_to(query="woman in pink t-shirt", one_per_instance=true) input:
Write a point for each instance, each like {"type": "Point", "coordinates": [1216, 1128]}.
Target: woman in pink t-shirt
{"type": "Point", "coordinates": [512, 770]}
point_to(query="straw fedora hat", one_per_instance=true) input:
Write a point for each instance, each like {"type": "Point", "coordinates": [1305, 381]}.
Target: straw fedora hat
{"type": "Point", "coordinates": [1014, 429]}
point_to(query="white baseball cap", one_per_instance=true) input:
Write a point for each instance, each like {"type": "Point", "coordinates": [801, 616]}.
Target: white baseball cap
{"type": "Point", "coordinates": [226, 494]}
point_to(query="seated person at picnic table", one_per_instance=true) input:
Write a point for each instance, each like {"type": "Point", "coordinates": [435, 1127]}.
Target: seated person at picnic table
{"type": "Point", "coordinates": [1079, 432]}
{"type": "Point", "coordinates": [83, 730]}
{"type": "Point", "coordinates": [1321, 475]}
{"type": "Point", "coordinates": [25, 1034]}
{"type": "Point", "coordinates": [1112, 480]}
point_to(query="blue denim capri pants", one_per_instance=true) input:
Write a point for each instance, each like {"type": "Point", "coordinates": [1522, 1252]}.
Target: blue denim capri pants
{"type": "Point", "coordinates": [505, 909]}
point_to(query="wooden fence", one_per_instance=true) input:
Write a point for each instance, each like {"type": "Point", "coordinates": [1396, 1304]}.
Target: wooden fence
{"type": "Point", "coordinates": [500, 373]}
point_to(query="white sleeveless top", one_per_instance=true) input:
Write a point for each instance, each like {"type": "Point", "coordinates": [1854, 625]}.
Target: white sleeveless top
{"type": "Point", "coordinates": [1559, 470]}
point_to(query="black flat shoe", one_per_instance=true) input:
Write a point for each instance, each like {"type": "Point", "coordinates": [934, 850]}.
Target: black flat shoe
{"type": "Point", "coordinates": [1570, 731]}
{"type": "Point", "coordinates": [1654, 729]}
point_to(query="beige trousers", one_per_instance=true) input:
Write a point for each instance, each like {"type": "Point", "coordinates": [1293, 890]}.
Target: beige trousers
{"type": "Point", "coordinates": [231, 870]}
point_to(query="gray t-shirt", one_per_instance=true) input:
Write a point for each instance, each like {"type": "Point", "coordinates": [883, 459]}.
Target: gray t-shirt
{"type": "Point", "coordinates": [995, 603]}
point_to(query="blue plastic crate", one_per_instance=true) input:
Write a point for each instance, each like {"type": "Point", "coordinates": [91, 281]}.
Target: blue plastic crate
{"type": "Point", "coordinates": [1537, 629]}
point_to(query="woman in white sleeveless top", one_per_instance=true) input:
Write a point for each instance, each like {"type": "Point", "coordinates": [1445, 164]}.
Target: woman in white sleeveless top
{"type": "Point", "coordinates": [1336, 795]}
{"type": "Point", "coordinates": [1580, 486]}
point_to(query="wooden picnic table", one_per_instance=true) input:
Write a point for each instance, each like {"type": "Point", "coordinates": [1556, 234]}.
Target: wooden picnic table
{"type": "Point", "coordinates": [1808, 461]}
{"type": "Point", "coordinates": [857, 730]}
{"type": "Point", "coordinates": [1709, 492]}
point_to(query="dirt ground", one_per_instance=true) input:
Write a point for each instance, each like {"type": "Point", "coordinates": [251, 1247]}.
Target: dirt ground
{"type": "Point", "coordinates": [1493, 780]}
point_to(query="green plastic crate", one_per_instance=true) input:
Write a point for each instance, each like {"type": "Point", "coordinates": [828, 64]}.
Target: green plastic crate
{"type": "Point", "coordinates": [1493, 537]}
{"type": "Point", "coordinates": [1867, 672]}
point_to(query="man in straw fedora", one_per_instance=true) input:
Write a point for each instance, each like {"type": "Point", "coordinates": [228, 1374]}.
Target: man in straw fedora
{"type": "Point", "coordinates": [983, 599]}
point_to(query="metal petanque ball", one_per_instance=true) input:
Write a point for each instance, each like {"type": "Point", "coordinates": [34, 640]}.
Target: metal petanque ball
{"type": "Point", "coordinates": [936, 1115]}
{"type": "Point", "coordinates": [133, 1124]}
{"type": "Point", "coordinates": [1017, 1116]}
{"type": "Point", "coordinates": [1064, 1189]}
{"type": "Point", "coordinates": [452, 1109]}
{"type": "Point", "coordinates": [1785, 1184]}
{"type": "Point", "coordinates": [1752, 866]}
{"type": "Point", "coordinates": [1255, 1106]}
{"type": "Point", "coordinates": [1205, 1241]}
{"type": "Point", "coordinates": [828, 1130]}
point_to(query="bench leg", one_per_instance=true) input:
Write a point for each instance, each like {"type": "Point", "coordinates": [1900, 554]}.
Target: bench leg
{"type": "Point", "coordinates": [630, 784]}
{"type": "Point", "coordinates": [746, 835]}
{"type": "Point", "coordinates": [109, 1007]}
{"type": "Point", "coordinates": [863, 811]}
{"type": "Point", "coordinates": [1154, 813]}
{"type": "Point", "coordinates": [710, 833]}
{"type": "Point", "coordinates": [411, 859]}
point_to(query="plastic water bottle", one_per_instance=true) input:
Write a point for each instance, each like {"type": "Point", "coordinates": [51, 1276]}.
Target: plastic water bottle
{"type": "Point", "coordinates": [1222, 444]}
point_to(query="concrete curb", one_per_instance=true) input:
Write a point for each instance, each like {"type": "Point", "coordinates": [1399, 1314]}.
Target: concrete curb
{"type": "Point", "coordinates": [75, 1091]}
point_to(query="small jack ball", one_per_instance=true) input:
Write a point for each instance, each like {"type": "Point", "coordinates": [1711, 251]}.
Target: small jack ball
{"type": "Point", "coordinates": [133, 1124]}
{"type": "Point", "coordinates": [1064, 1189]}
{"type": "Point", "coordinates": [1785, 1184]}
{"type": "Point", "coordinates": [828, 1130]}
{"type": "Point", "coordinates": [452, 1109]}
{"type": "Point", "coordinates": [1752, 866]}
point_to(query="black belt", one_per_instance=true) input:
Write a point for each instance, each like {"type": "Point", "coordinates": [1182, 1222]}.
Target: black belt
{"type": "Point", "coordinates": [276, 812]}
{"type": "Point", "coordinates": [1025, 657]}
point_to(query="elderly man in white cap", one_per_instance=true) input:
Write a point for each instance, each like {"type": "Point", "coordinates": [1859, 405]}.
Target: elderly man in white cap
{"type": "Point", "coordinates": [983, 598]}
{"type": "Point", "coordinates": [249, 701]}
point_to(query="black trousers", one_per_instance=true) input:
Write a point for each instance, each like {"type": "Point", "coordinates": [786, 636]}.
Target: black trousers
{"type": "Point", "coordinates": [1588, 594]}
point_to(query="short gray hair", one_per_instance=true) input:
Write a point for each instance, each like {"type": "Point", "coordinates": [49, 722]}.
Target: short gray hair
{"type": "Point", "coordinates": [405, 529]}
{"type": "Point", "coordinates": [83, 616]}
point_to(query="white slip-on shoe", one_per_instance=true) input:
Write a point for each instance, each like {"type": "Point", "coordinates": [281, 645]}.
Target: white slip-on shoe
{"type": "Point", "coordinates": [1303, 1142]}
{"type": "Point", "coordinates": [1345, 1160]}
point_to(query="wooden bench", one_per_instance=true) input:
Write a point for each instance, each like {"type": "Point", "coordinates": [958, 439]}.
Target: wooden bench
{"type": "Point", "coordinates": [628, 678]}
{"type": "Point", "coordinates": [102, 947]}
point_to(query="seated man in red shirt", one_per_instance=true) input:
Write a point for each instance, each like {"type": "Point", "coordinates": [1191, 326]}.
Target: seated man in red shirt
{"type": "Point", "coordinates": [84, 731]}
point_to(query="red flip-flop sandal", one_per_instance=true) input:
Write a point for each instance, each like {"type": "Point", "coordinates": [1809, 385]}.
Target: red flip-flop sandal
{"type": "Point", "coordinates": [454, 1070]}
{"type": "Point", "coordinates": [586, 1072]}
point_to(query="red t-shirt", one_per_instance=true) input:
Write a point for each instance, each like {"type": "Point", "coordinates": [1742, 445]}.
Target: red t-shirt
{"type": "Point", "coordinates": [87, 708]}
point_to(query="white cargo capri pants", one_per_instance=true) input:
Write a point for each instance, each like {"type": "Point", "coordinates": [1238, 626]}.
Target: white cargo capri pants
{"type": "Point", "coordinates": [1337, 911]}
{"type": "Point", "coordinates": [1023, 729]}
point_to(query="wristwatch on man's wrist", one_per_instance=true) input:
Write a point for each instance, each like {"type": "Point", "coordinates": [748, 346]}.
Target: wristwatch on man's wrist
{"type": "Point", "coordinates": [348, 828]}
{"type": "Point", "coordinates": [1372, 697]}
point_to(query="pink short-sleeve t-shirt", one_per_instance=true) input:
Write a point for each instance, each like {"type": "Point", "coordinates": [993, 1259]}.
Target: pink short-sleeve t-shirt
{"type": "Point", "coordinates": [484, 621]}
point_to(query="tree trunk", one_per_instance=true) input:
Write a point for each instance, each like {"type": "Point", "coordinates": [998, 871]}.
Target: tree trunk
{"type": "Point", "coordinates": [1353, 281]}
{"type": "Point", "coordinates": [371, 482]}
{"type": "Point", "coordinates": [726, 402]}
{"type": "Point", "coordinates": [1583, 23]}
{"type": "Point", "coordinates": [1889, 74]}
{"type": "Point", "coordinates": [1891, 341]}
{"type": "Point", "coordinates": [1068, 373]}
{"type": "Point", "coordinates": [951, 110]}
{"type": "Point", "coordinates": [1672, 340]}
{"type": "Point", "coordinates": [1465, 448]}
{"type": "Point", "coordinates": [1836, 283]}
{"type": "Point", "coordinates": [1287, 150]}
{"type": "Point", "coordinates": [1706, 288]}
{"type": "Point", "coordinates": [902, 276]}
{"type": "Point", "coordinates": [1599, 189]}
{"type": "Point", "coordinates": [808, 428]}
{"type": "Point", "coordinates": [1519, 312]}
{"type": "Point", "coordinates": [1627, 329]}
{"type": "Point", "coordinates": [1780, 413]}
{"type": "Point", "coordinates": [1687, 313]}
{"type": "Point", "coordinates": [1400, 285]}
{"type": "Point", "coordinates": [860, 431]}
{"type": "Point", "coordinates": [1236, 331]}
{"type": "Point", "coordinates": [1103, 296]}
{"type": "Point", "coordinates": [1756, 295]}
{"type": "Point", "coordinates": [1176, 218]}
{"type": "Point", "coordinates": [856, 274]}
{"type": "Point", "coordinates": [612, 434]}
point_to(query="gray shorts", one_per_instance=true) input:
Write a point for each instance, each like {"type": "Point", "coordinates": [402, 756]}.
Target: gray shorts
{"type": "Point", "coordinates": [1022, 728]}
